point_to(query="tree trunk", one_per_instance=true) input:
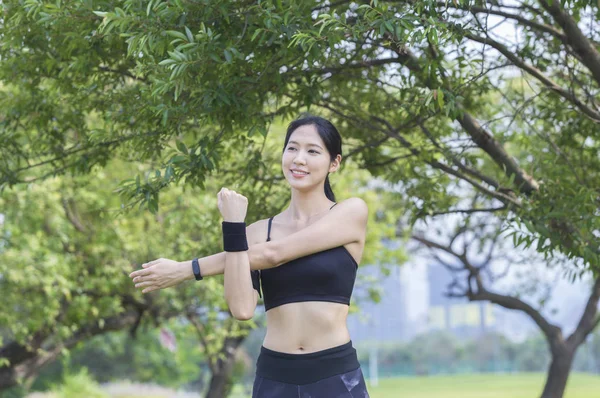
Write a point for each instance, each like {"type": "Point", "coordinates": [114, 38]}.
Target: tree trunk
{"type": "Point", "coordinates": [19, 354]}
{"type": "Point", "coordinates": [560, 367]}
{"type": "Point", "coordinates": [220, 382]}
{"type": "Point", "coordinates": [220, 385]}
{"type": "Point", "coordinates": [26, 361]}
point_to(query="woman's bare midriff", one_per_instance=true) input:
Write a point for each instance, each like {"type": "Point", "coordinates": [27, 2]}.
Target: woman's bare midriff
{"type": "Point", "coordinates": [305, 327]}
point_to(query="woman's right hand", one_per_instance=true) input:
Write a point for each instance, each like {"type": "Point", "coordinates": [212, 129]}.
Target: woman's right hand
{"type": "Point", "coordinates": [159, 274]}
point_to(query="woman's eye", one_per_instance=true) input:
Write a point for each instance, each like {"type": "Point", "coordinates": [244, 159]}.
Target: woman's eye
{"type": "Point", "coordinates": [310, 151]}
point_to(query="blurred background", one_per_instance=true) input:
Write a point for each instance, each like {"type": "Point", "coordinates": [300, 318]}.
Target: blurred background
{"type": "Point", "coordinates": [470, 129]}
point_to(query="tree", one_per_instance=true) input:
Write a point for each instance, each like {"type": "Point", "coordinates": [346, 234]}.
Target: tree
{"type": "Point", "coordinates": [68, 247]}
{"type": "Point", "coordinates": [419, 87]}
{"type": "Point", "coordinates": [65, 260]}
{"type": "Point", "coordinates": [480, 258]}
{"type": "Point", "coordinates": [430, 96]}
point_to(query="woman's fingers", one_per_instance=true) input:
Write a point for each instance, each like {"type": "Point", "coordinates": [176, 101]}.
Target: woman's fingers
{"type": "Point", "coordinates": [141, 272]}
{"type": "Point", "coordinates": [147, 278]}
{"type": "Point", "coordinates": [148, 264]}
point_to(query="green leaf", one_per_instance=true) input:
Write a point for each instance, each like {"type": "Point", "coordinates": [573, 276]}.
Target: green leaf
{"type": "Point", "coordinates": [181, 146]}
{"type": "Point", "coordinates": [389, 26]}
{"type": "Point", "coordinates": [177, 34]}
{"type": "Point", "coordinates": [433, 36]}
{"type": "Point", "coordinates": [440, 98]}
{"type": "Point", "coordinates": [149, 7]}
{"type": "Point", "coordinates": [256, 33]}
{"type": "Point", "coordinates": [167, 61]}
{"type": "Point", "coordinates": [189, 35]}
{"type": "Point", "coordinates": [169, 172]}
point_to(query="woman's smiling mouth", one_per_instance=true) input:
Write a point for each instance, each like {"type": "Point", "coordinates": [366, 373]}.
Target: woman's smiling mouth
{"type": "Point", "coordinates": [298, 173]}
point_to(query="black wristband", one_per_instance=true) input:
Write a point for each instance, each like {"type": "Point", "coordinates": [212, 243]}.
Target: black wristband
{"type": "Point", "coordinates": [234, 236]}
{"type": "Point", "coordinates": [196, 269]}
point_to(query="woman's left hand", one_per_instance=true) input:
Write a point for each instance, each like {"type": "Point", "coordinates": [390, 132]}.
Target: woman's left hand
{"type": "Point", "coordinates": [232, 205]}
{"type": "Point", "coordinates": [159, 274]}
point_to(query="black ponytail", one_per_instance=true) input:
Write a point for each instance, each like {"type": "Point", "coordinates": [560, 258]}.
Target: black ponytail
{"type": "Point", "coordinates": [328, 191]}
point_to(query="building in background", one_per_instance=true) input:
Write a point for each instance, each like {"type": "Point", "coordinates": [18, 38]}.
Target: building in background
{"type": "Point", "coordinates": [457, 315]}
{"type": "Point", "coordinates": [413, 302]}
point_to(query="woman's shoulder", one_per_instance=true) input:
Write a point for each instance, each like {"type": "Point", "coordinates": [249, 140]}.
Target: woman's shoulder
{"type": "Point", "coordinates": [354, 206]}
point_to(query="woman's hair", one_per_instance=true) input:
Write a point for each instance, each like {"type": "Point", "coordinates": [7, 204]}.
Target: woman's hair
{"type": "Point", "coordinates": [330, 136]}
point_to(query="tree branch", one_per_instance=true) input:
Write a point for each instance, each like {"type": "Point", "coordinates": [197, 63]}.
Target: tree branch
{"type": "Point", "coordinates": [552, 332]}
{"type": "Point", "coordinates": [470, 211]}
{"type": "Point", "coordinates": [501, 196]}
{"type": "Point", "coordinates": [566, 94]}
{"type": "Point", "coordinates": [354, 65]}
{"type": "Point", "coordinates": [475, 173]}
{"type": "Point", "coordinates": [588, 320]}
{"type": "Point", "coordinates": [201, 332]}
{"type": "Point", "coordinates": [123, 73]}
{"type": "Point", "coordinates": [73, 150]}
{"type": "Point", "coordinates": [524, 21]}
{"type": "Point", "coordinates": [26, 360]}
{"type": "Point", "coordinates": [70, 212]}
{"type": "Point", "coordinates": [575, 38]}
{"type": "Point", "coordinates": [484, 139]}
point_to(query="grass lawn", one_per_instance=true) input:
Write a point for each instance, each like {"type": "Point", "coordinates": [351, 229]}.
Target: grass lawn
{"type": "Point", "coordinates": [523, 385]}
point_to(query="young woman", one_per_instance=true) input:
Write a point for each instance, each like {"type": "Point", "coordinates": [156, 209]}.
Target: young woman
{"type": "Point", "coordinates": [305, 259]}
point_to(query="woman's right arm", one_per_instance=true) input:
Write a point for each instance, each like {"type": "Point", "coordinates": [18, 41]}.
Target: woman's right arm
{"type": "Point", "coordinates": [163, 273]}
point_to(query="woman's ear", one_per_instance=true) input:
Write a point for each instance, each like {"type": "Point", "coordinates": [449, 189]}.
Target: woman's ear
{"type": "Point", "coordinates": [335, 163]}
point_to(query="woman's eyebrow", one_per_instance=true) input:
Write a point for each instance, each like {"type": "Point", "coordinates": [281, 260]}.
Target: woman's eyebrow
{"type": "Point", "coordinates": [294, 142]}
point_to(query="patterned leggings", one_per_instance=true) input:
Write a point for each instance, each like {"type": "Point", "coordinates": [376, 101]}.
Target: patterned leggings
{"type": "Point", "coordinates": [346, 385]}
{"type": "Point", "coordinates": [331, 373]}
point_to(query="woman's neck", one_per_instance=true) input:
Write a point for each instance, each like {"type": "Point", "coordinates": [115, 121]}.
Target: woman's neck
{"type": "Point", "coordinates": [306, 206]}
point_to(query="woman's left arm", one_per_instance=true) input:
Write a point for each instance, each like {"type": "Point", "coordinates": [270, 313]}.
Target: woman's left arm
{"type": "Point", "coordinates": [344, 223]}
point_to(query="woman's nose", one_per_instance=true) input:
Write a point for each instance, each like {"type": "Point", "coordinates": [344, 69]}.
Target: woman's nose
{"type": "Point", "coordinates": [299, 159]}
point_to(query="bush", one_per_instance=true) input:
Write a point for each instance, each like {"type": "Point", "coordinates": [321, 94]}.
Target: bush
{"type": "Point", "coordinates": [78, 385]}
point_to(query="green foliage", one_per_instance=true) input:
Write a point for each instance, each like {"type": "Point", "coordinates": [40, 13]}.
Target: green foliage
{"type": "Point", "coordinates": [78, 234]}
{"type": "Point", "coordinates": [183, 85]}
{"type": "Point", "coordinates": [67, 246]}
{"type": "Point", "coordinates": [117, 356]}
{"type": "Point", "coordinates": [18, 391]}
{"type": "Point", "coordinates": [78, 384]}
{"type": "Point", "coordinates": [442, 353]}
{"type": "Point", "coordinates": [164, 102]}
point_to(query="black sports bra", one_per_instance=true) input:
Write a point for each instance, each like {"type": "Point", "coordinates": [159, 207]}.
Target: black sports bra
{"type": "Point", "coordinates": [328, 275]}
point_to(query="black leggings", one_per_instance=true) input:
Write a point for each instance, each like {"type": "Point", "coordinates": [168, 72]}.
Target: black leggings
{"type": "Point", "coordinates": [331, 373]}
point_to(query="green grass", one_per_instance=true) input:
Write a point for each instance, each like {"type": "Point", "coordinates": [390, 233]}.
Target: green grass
{"type": "Point", "coordinates": [482, 386]}
{"type": "Point", "coordinates": [522, 385]}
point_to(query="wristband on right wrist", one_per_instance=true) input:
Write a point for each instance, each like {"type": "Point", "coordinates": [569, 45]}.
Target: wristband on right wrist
{"type": "Point", "coordinates": [234, 236]}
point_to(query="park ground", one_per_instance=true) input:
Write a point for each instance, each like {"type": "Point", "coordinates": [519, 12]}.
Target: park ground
{"type": "Point", "coordinates": [522, 385]}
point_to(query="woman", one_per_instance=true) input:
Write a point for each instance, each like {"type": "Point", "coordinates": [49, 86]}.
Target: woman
{"type": "Point", "coordinates": [306, 260]}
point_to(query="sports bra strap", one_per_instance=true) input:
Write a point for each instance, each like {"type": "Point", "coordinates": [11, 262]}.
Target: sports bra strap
{"type": "Point", "coordinates": [271, 220]}
{"type": "Point", "coordinates": [269, 232]}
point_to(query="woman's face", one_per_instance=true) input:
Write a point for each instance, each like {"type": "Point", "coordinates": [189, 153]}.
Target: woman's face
{"type": "Point", "coordinates": [306, 161]}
